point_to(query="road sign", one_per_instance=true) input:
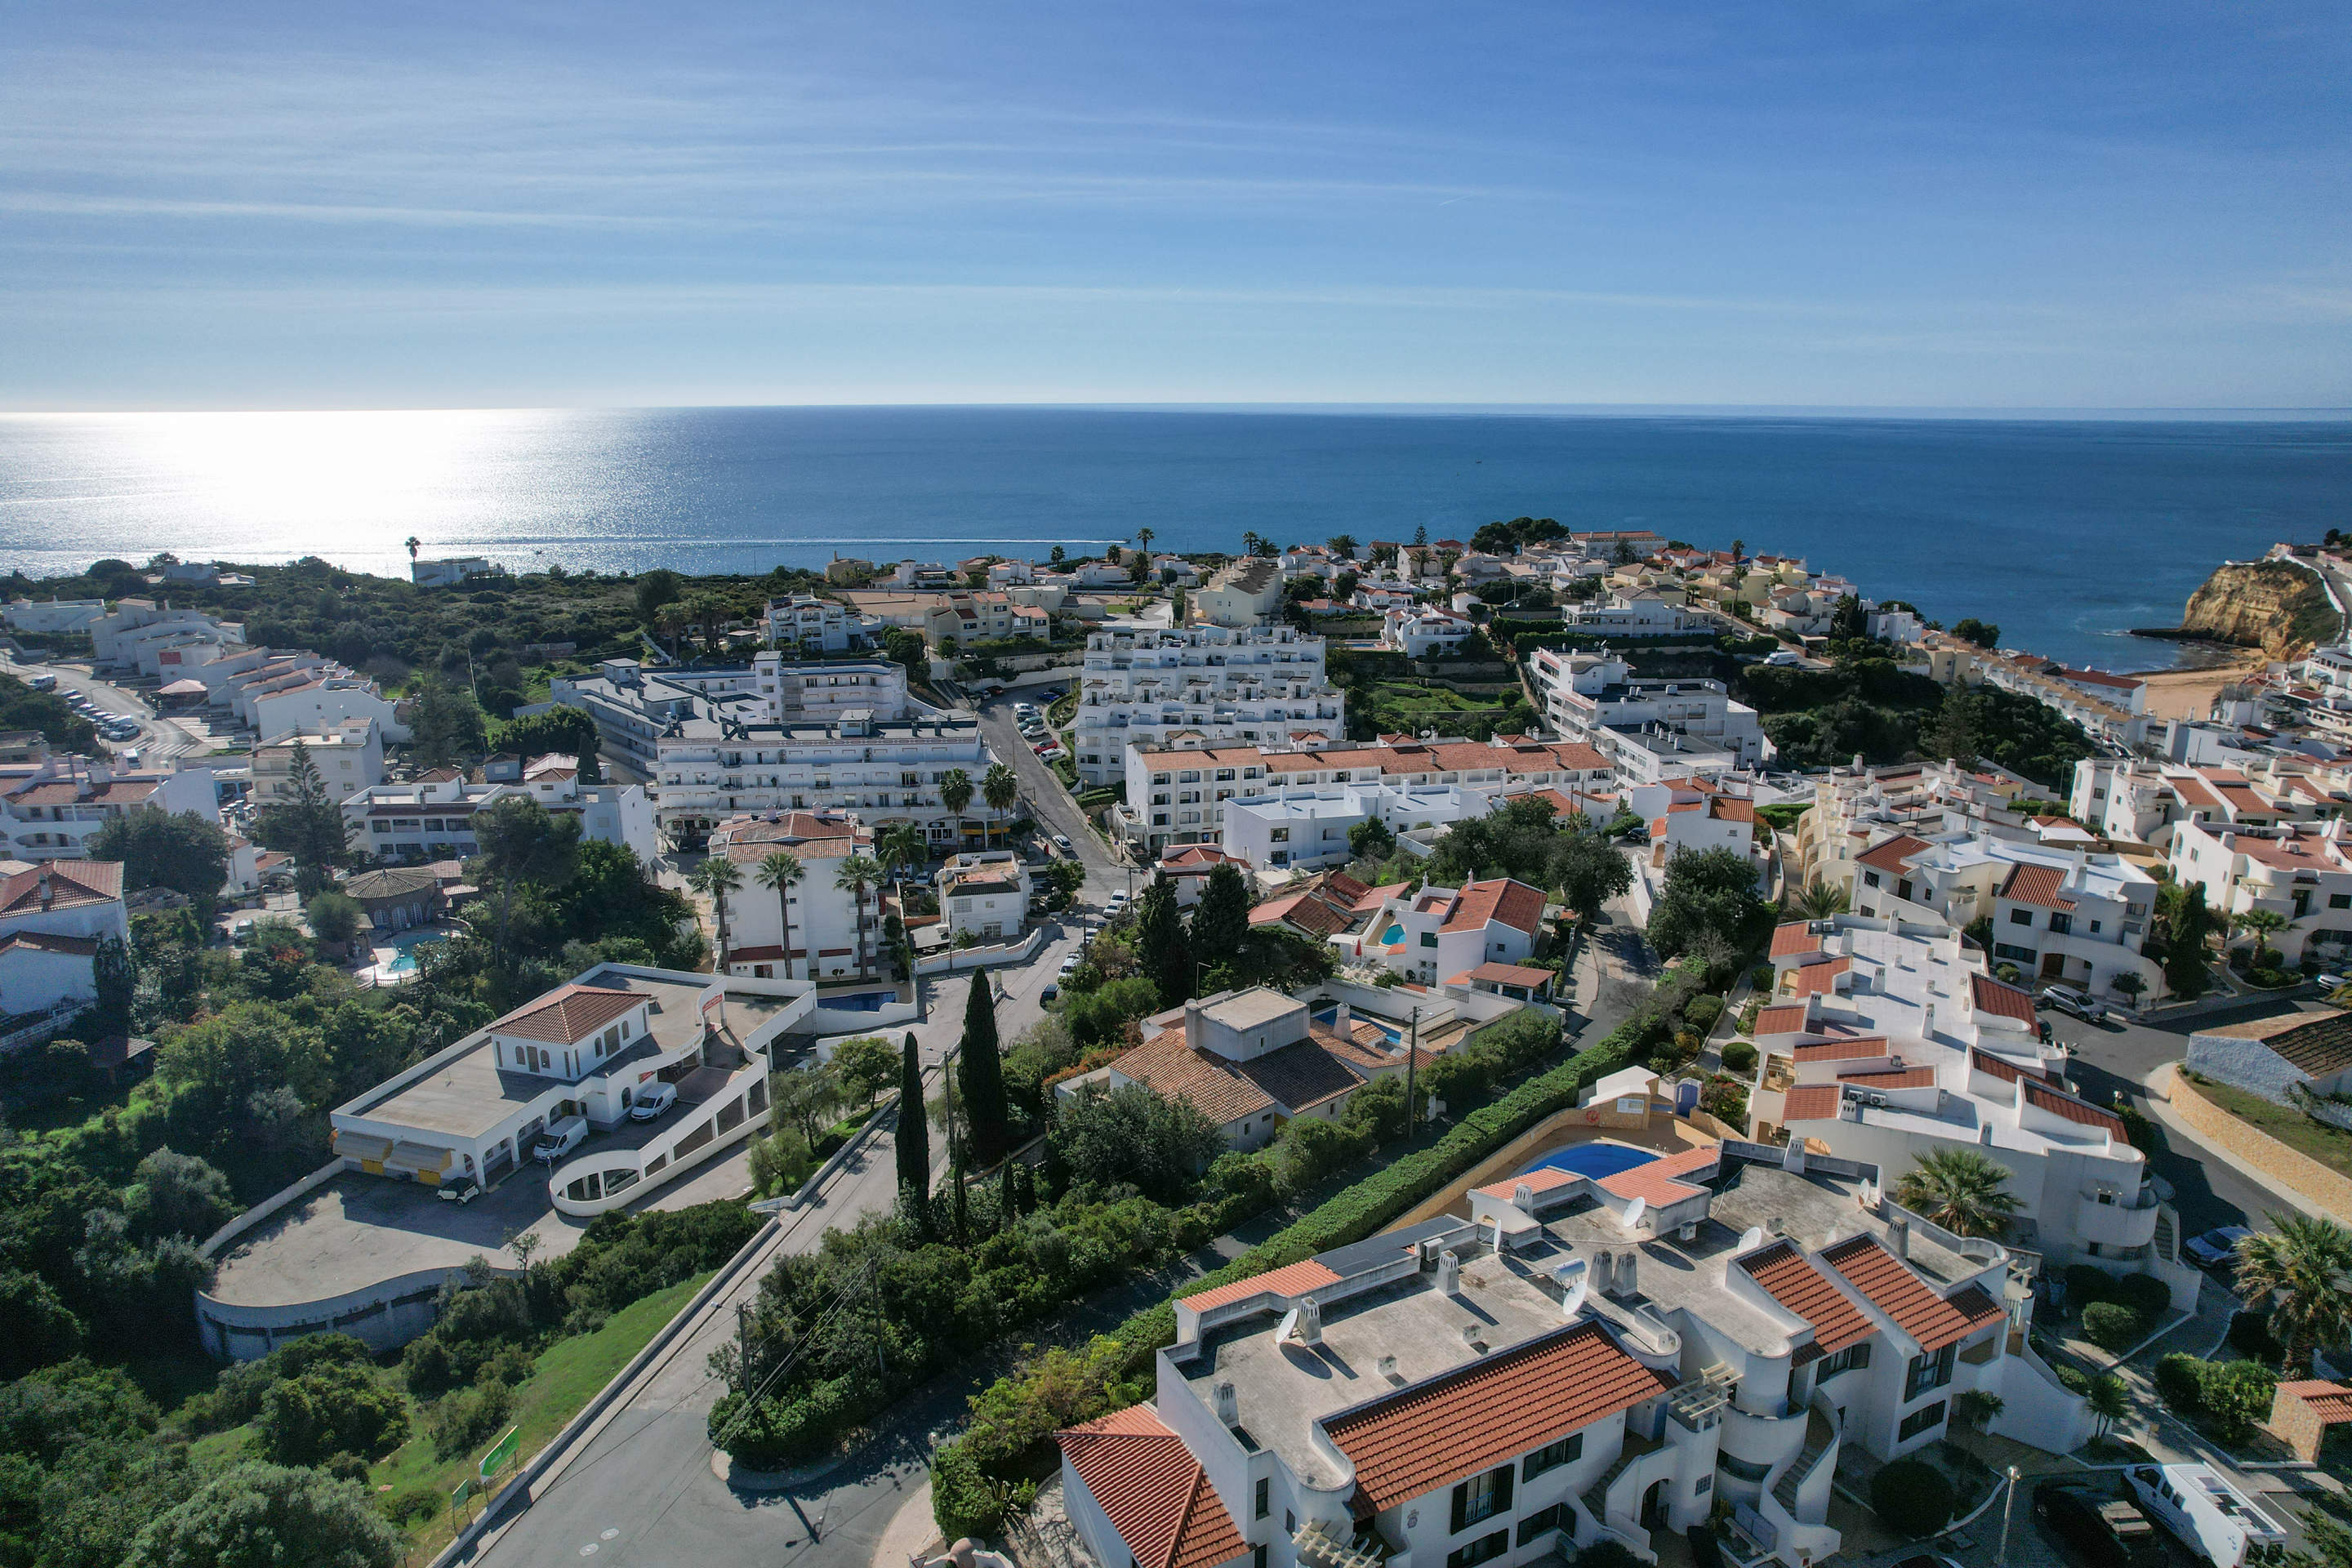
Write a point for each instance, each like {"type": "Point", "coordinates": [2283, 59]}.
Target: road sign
{"type": "Point", "coordinates": [465, 1489]}
{"type": "Point", "coordinates": [501, 1452]}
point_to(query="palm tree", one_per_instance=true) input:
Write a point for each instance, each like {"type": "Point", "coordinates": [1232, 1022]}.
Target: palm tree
{"type": "Point", "coordinates": [2304, 1266]}
{"type": "Point", "coordinates": [779, 871]}
{"type": "Point", "coordinates": [902, 845]}
{"type": "Point", "coordinates": [2108, 1400]}
{"type": "Point", "coordinates": [955, 793]}
{"type": "Point", "coordinates": [1820, 900]}
{"type": "Point", "coordinates": [415, 545]}
{"type": "Point", "coordinates": [1000, 787]}
{"type": "Point", "coordinates": [2263, 923]}
{"type": "Point", "coordinates": [716, 877]}
{"type": "Point", "coordinates": [1960, 1190]}
{"type": "Point", "coordinates": [857, 873]}
{"type": "Point", "coordinates": [1143, 537]}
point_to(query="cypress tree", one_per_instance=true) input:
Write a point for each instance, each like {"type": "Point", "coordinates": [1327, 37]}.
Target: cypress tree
{"type": "Point", "coordinates": [1160, 938]}
{"type": "Point", "coordinates": [1221, 920]}
{"type": "Point", "coordinates": [1008, 1196]}
{"type": "Point", "coordinates": [914, 1126]}
{"type": "Point", "coordinates": [980, 1073]}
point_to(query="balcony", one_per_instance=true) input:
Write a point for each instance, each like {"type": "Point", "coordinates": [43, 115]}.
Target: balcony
{"type": "Point", "coordinates": [2118, 1221]}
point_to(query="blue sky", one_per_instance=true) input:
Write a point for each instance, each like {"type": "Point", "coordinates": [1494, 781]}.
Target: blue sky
{"type": "Point", "coordinates": [1878, 204]}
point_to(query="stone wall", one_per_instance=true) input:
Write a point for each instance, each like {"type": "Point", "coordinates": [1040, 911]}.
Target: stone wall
{"type": "Point", "coordinates": [2331, 1190]}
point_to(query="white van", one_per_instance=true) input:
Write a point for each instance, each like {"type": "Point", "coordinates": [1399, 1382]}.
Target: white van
{"type": "Point", "coordinates": [563, 1136]}
{"type": "Point", "coordinates": [2211, 1517]}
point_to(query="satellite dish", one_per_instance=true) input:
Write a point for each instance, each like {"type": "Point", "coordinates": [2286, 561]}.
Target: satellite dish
{"type": "Point", "coordinates": [1633, 1214]}
{"type": "Point", "coordinates": [1573, 1276]}
{"type": "Point", "coordinates": [1753, 1240]}
{"type": "Point", "coordinates": [1288, 1325]}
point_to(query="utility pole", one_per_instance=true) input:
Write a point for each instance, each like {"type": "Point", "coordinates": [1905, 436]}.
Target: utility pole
{"type": "Point", "coordinates": [2008, 1505]}
{"type": "Point", "coordinates": [1412, 1054]}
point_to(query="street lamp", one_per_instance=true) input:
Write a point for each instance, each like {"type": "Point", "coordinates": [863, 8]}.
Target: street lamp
{"type": "Point", "coordinates": [2008, 1505]}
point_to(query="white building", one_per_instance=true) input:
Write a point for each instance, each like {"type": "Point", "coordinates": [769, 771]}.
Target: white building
{"type": "Point", "coordinates": [1259, 685]}
{"type": "Point", "coordinates": [1887, 1045]}
{"type": "Point", "coordinates": [432, 817]}
{"type": "Point", "coordinates": [1178, 796]}
{"type": "Point", "coordinates": [1582, 1362]}
{"type": "Point", "coordinates": [1245, 594]}
{"type": "Point", "coordinates": [2299, 872]}
{"type": "Point", "coordinates": [1636, 616]}
{"type": "Point", "coordinates": [50, 809]}
{"type": "Point", "coordinates": [54, 615]}
{"type": "Point", "coordinates": [1421, 633]}
{"type": "Point", "coordinates": [349, 757]}
{"type": "Point", "coordinates": [449, 571]}
{"type": "Point", "coordinates": [1595, 697]}
{"type": "Point", "coordinates": [984, 894]}
{"type": "Point", "coordinates": [803, 621]}
{"type": "Point", "coordinates": [834, 931]}
{"type": "Point", "coordinates": [52, 918]}
{"type": "Point", "coordinates": [1442, 931]}
{"type": "Point", "coordinates": [1304, 827]}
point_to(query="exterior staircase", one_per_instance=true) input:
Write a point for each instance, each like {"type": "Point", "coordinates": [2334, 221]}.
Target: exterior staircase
{"type": "Point", "coordinates": [1596, 1496]}
{"type": "Point", "coordinates": [1821, 1437]}
{"type": "Point", "coordinates": [2167, 1238]}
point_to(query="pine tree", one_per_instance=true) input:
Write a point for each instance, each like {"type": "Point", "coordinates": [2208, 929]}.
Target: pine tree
{"type": "Point", "coordinates": [981, 1072]}
{"type": "Point", "coordinates": [1160, 937]}
{"type": "Point", "coordinates": [1221, 920]}
{"type": "Point", "coordinates": [307, 825]}
{"type": "Point", "coordinates": [914, 1128]}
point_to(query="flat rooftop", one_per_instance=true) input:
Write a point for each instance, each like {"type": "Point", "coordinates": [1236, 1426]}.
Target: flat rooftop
{"type": "Point", "coordinates": [469, 1095]}
{"type": "Point", "coordinates": [359, 1230]}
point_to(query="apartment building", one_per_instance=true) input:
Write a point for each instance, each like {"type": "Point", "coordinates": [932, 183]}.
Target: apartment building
{"type": "Point", "coordinates": [53, 615]}
{"type": "Point", "coordinates": [886, 770]}
{"type": "Point", "coordinates": [1442, 931]}
{"type": "Point", "coordinates": [1421, 633]}
{"type": "Point", "coordinates": [2106, 708]}
{"type": "Point", "coordinates": [50, 809]}
{"type": "Point", "coordinates": [131, 633]}
{"type": "Point", "coordinates": [984, 894]}
{"type": "Point", "coordinates": [1884, 1042]}
{"type": "Point", "coordinates": [637, 710]}
{"type": "Point", "coordinates": [432, 817]}
{"type": "Point", "coordinates": [1580, 1362]}
{"type": "Point", "coordinates": [803, 622]}
{"type": "Point", "coordinates": [1303, 828]}
{"type": "Point", "coordinates": [1643, 614]}
{"type": "Point", "coordinates": [2077, 915]}
{"type": "Point", "coordinates": [1696, 814]}
{"type": "Point", "coordinates": [1245, 594]}
{"type": "Point", "coordinates": [814, 929]}
{"type": "Point", "coordinates": [1596, 698]}
{"type": "Point", "coordinates": [2300, 871]}
{"type": "Point", "coordinates": [967, 618]}
{"type": "Point", "coordinates": [1178, 796]}
{"type": "Point", "coordinates": [349, 757]}
{"type": "Point", "coordinates": [2141, 801]}
{"type": "Point", "coordinates": [1259, 685]}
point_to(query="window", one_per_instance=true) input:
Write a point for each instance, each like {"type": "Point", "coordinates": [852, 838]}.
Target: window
{"type": "Point", "coordinates": [1741, 1470]}
{"type": "Point", "coordinates": [2061, 925]}
{"type": "Point", "coordinates": [1482, 1498]}
{"type": "Point", "coordinates": [1551, 1456]}
{"type": "Point", "coordinates": [1262, 1484]}
{"type": "Point", "coordinates": [1536, 1523]}
{"type": "Point", "coordinates": [1920, 1420]}
{"type": "Point", "coordinates": [1429, 939]}
{"type": "Point", "coordinates": [1927, 1372]}
{"type": "Point", "coordinates": [2021, 917]}
{"type": "Point", "coordinates": [2339, 901]}
{"type": "Point", "coordinates": [1257, 1555]}
{"type": "Point", "coordinates": [1845, 1360]}
{"type": "Point", "coordinates": [1485, 1548]}
{"type": "Point", "coordinates": [1870, 878]}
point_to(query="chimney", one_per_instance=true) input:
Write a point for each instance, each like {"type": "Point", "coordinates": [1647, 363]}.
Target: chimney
{"type": "Point", "coordinates": [1927, 1021]}
{"type": "Point", "coordinates": [1449, 1272]}
{"type": "Point", "coordinates": [1629, 1277]}
{"type": "Point", "coordinates": [1227, 1407]}
{"type": "Point", "coordinates": [1343, 1021]}
{"type": "Point", "coordinates": [1792, 1156]}
{"type": "Point", "coordinates": [1523, 1197]}
{"type": "Point", "coordinates": [1310, 1321]}
{"type": "Point", "coordinates": [48, 892]}
{"type": "Point", "coordinates": [1602, 1276]}
{"type": "Point", "coordinates": [1192, 1025]}
{"type": "Point", "coordinates": [1898, 1239]}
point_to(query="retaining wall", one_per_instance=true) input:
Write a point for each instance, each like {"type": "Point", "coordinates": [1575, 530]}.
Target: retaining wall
{"type": "Point", "coordinates": [2330, 1189]}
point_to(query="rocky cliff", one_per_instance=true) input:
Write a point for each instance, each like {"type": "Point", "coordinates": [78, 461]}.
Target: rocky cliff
{"type": "Point", "coordinates": [2281, 609]}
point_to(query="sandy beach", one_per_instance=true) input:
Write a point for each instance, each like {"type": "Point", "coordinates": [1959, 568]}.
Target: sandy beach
{"type": "Point", "coordinates": [2188, 692]}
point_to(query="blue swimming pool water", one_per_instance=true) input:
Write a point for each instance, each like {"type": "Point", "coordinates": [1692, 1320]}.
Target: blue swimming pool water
{"type": "Point", "coordinates": [1393, 935]}
{"type": "Point", "coordinates": [1592, 1159]}
{"type": "Point", "coordinates": [860, 1002]}
{"type": "Point", "coordinates": [402, 964]}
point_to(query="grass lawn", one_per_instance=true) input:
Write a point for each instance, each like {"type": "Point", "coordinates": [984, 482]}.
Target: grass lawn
{"type": "Point", "coordinates": [567, 1375]}
{"type": "Point", "coordinates": [2331, 1146]}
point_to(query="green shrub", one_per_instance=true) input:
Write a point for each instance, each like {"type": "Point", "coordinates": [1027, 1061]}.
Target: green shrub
{"type": "Point", "coordinates": [2250, 1336]}
{"type": "Point", "coordinates": [1702, 1013]}
{"type": "Point", "coordinates": [2145, 1293]}
{"type": "Point", "coordinates": [2181, 1382]}
{"type": "Point", "coordinates": [331, 1409]}
{"type": "Point", "coordinates": [1739, 1057]}
{"type": "Point", "coordinates": [2238, 1397]}
{"type": "Point", "coordinates": [2086, 1283]}
{"type": "Point", "coordinates": [2112, 1326]}
{"type": "Point", "coordinates": [1763, 977]}
{"type": "Point", "coordinates": [2072, 1379]}
{"type": "Point", "coordinates": [1911, 1497]}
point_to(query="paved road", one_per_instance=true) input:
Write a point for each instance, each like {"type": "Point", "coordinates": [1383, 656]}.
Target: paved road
{"type": "Point", "coordinates": [158, 740]}
{"type": "Point", "coordinates": [2114, 1057]}
{"type": "Point", "coordinates": [1042, 788]}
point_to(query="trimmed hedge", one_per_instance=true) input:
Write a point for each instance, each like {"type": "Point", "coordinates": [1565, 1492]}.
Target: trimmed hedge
{"type": "Point", "coordinates": [984, 1472]}
{"type": "Point", "coordinates": [2112, 1326]}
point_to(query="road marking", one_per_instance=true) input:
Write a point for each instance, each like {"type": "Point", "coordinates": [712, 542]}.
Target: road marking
{"type": "Point", "coordinates": [608, 1535]}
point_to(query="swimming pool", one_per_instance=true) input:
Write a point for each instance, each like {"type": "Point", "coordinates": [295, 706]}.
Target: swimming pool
{"type": "Point", "coordinates": [858, 1001]}
{"type": "Point", "coordinates": [1592, 1159]}
{"type": "Point", "coordinates": [1395, 1032]}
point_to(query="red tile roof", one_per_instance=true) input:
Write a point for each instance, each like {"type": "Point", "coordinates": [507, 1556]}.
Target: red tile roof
{"type": "Point", "coordinates": [1890, 1078]}
{"type": "Point", "coordinates": [1786, 1019]}
{"type": "Point", "coordinates": [1811, 1102]}
{"type": "Point", "coordinates": [1471, 1420]}
{"type": "Point", "coordinates": [1542, 1179]}
{"type": "Point", "coordinates": [1986, 1062]}
{"type": "Point", "coordinates": [1504, 901]}
{"type": "Point", "coordinates": [71, 883]}
{"type": "Point", "coordinates": [1153, 1491]}
{"type": "Point", "coordinates": [49, 941]}
{"type": "Point", "coordinates": [1505, 974]}
{"type": "Point", "coordinates": [1857, 1049]}
{"type": "Point", "coordinates": [1297, 1280]}
{"type": "Point", "coordinates": [2331, 1402]}
{"type": "Point", "coordinates": [1989, 996]}
{"type": "Point", "coordinates": [568, 1013]}
{"type": "Point", "coordinates": [1661, 1181]}
{"type": "Point", "coordinates": [1891, 1286]}
{"type": "Point", "coordinates": [1892, 854]}
{"type": "Point", "coordinates": [2073, 1109]}
{"type": "Point", "coordinates": [1803, 1289]}
{"type": "Point", "coordinates": [2036, 884]}
{"type": "Point", "coordinates": [1818, 979]}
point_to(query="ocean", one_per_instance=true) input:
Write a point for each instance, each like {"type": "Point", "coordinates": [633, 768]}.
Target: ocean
{"type": "Point", "coordinates": [2063, 532]}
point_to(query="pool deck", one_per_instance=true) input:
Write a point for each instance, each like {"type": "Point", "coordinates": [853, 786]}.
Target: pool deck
{"type": "Point", "coordinates": [1555, 1131]}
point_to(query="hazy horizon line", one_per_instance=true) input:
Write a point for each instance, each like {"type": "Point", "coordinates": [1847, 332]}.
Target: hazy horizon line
{"type": "Point", "coordinates": [2037, 412]}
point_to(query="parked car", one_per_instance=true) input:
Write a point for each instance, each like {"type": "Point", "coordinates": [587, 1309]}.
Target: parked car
{"type": "Point", "coordinates": [1062, 842]}
{"type": "Point", "coordinates": [654, 1102]}
{"type": "Point", "coordinates": [1069, 963]}
{"type": "Point", "coordinates": [563, 1136]}
{"type": "Point", "coordinates": [2218, 1247]}
{"type": "Point", "coordinates": [2067, 999]}
{"type": "Point", "coordinates": [1049, 994]}
{"type": "Point", "coordinates": [2334, 982]}
{"type": "Point", "coordinates": [2105, 1529]}
{"type": "Point", "coordinates": [463, 1192]}
{"type": "Point", "coordinates": [2208, 1514]}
